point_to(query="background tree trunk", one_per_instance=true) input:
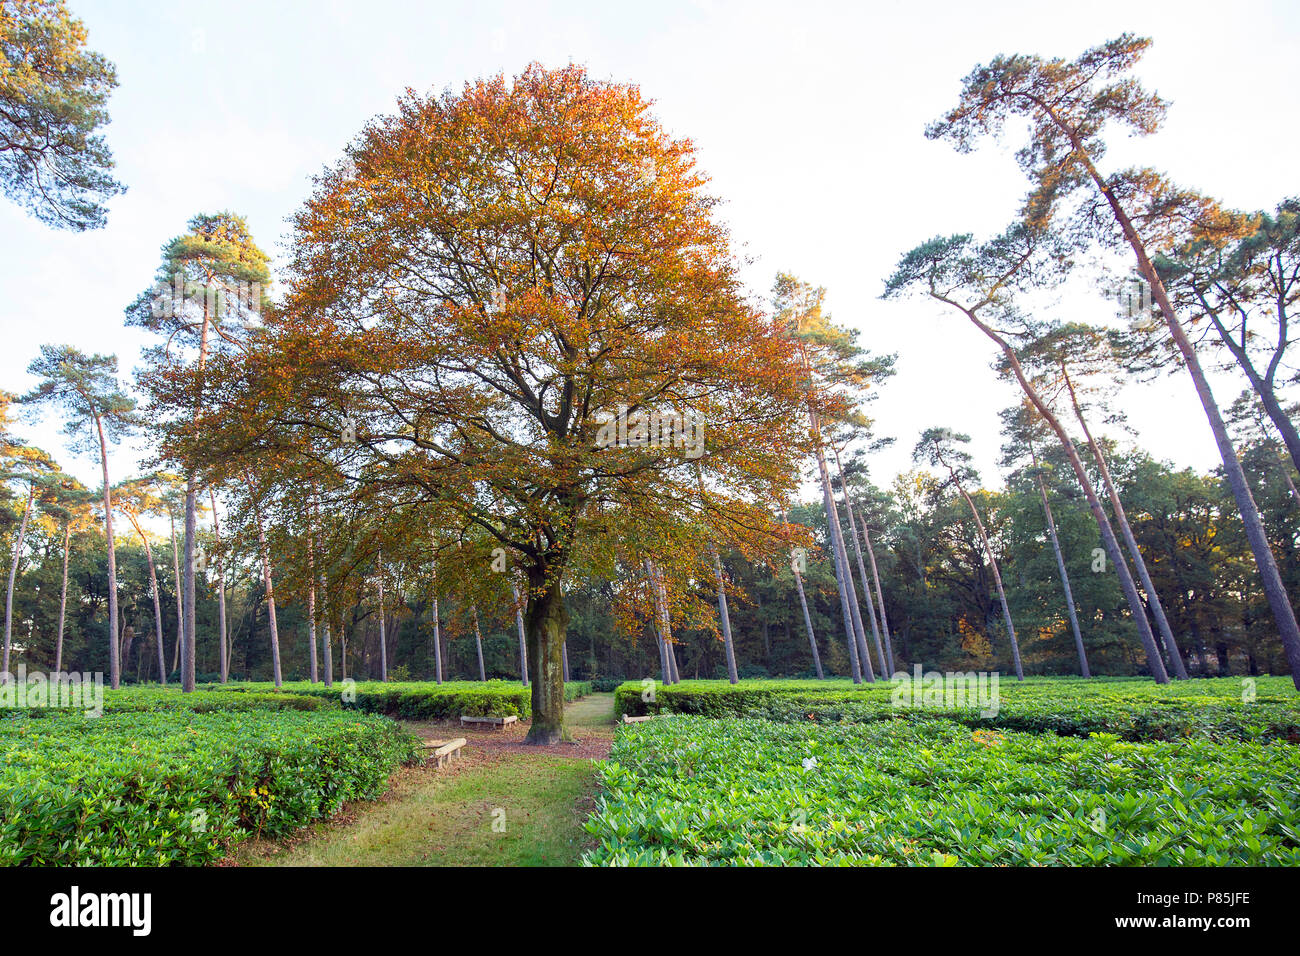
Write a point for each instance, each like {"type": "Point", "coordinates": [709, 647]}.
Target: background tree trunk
{"type": "Point", "coordinates": [13, 576]}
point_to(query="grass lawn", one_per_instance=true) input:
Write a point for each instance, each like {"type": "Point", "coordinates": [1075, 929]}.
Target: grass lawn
{"type": "Point", "coordinates": [493, 807]}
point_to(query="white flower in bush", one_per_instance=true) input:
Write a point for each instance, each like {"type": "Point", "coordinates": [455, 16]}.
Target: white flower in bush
{"type": "Point", "coordinates": [809, 763]}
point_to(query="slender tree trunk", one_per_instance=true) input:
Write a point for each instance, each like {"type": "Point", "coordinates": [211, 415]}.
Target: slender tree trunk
{"type": "Point", "coordinates": [1278, 600]}
{"type": "Point", "coordinates": [270, 591]}
{"type": "Point", "coordinates": [670, 646]}
{"type": "Point", "coordinates": [221, 601]}
{"type": "Point", "coordinates": [114, 662]}
{"type": "Point", "coordinates": [564, 659]}
{"type": "Point", "coordinates": [547, 620]}
{"type": "Point", "coordinates": [63, 605]}
{"type": "Point", "coordinates": [523, 640]}
{"type": "Point", "coordinates": [728, 646]}
{"type": "Point", "coordinates": [1130, 542]}
{"type": "Point", "coordinates": [1154, 662]}
{"type": "Point", "coordinates": [885, 670]}
{"type": "Point", "coordinates": [13, 576]}
{"type": "Point", "coordinates": [189, 644]}
{"type": "Point", "coordinates": [807, 619]}
{"type": "Point", "coordinates": [478, 643]}
{"type": "Point", "coordinates": [880, 598]}
{"type": "Point", "coordinates": [858, 668]}
{"type": "Point", "coordinates": [997, 576]}
{"type": "Point", "coordinates": [1065, 578]}
{"type": "Point", "coordinates": [383, 635]}
{"type": "Point", "coordinates": [180, 602]}
{"type": "Point", "coordinates": [153, 585]}
{"type": "Point", "coordinates": [437, 642]}
{"type": "Point", "coordinates": [327, 645]}
{"type": "Point", "coordinates": [311, 600]}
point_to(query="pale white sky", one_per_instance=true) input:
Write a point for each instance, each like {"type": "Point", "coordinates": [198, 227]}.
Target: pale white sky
{"type": "Point", "coordinates": [808, 116]}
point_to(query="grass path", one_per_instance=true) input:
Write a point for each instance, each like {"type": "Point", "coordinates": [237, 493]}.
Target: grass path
{"type": "Point", "coordinates": [501, 804]}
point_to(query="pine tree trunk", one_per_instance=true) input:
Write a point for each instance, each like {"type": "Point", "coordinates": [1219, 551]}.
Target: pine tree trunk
{"type": "Point", "coordinates": [327, 646]}
{"type": "Point", "coordinates": [1065, 579]}
{"type": "Point", "coordinates": [1271, 578]}
{"type": "Point", "coordinates": [383, 635]}
{"type": "Point", "coordinates": [523, 640]}
{"type": "Point", "coordinates": [180, 603]}
{"type": "Point", "coordinates": [997, 578]}
{"type": "Point", "coordinates": [437, 643]}
{"type": "Point", "coordinates": [114, 661]}
{"type": "Point", "coordinates": [885, 671]}
{"type": "Point", "coordinates": [1130, 542]}
{"type": "Point", "coordinates": [13, 577]}
{"type": "Point", "coordinates": [858, 668]}
{"type": "Point", "coordinates": [270, 594]}
{"type": "Point", "coordinates": [880, 598]}
{"type": "Point", "coordinates": [807, 619]}
{"type": "Point", "coordinates": [478, 643]}
{"type": "Point", "coordinates": [63, 607]}
{"type": "Point", "coordinates": [189, 645]}
{"type": "Point", "coordinates": [224, 636]}
{"type": "Point", "coordinates": [311, 603]}
{"type": "Point", "coordinates": [1154, 662]}
{"type": "Point", "coordinates": [157, 599]}
{"type": "Point", "coordinates": [725, 617]}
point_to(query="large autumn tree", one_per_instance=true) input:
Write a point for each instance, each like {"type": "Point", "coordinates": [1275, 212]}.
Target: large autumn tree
{"type": "Point", "coordinates": [484, 286]}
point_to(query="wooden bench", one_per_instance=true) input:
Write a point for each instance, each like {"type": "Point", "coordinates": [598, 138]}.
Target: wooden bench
{"type": "Point", "coordinates": [636, 720]}
{"type": "Point", "coordinates": [498, 722]}
{"type": "Point", "coordinates": [441, 751]}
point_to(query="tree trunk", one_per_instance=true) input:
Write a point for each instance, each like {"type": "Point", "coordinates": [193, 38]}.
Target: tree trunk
{"type": "Point", "coordinates": [997, 578]}
{"type": "Point", "coordinates": [885, 669]}
{"type": "Point", "coordinates": [857, 668]}
{"type": "Point", "coordinates": [189, 644]}
{"type": "Point", "coordinates": [13, 576]}
{"type": "Point", "coordinates": [311, 602]}
{"type": "Point", "coordinates": [880, 598]}
{"type": "Point", "coordinates": [63, 607]}
{"type": "Point", "coordinates": [1108, 538]}
{"type": "Point", "coordinates": [437, 642]}
{"type": "Point", "coordinates": [270, 594]}
{"type": "Point", "coordinates": [523, 641]}
{"type": "Point", "coordinates": [383, 635]}
{"type": "Point", "coordinates": [1065, 579]}
{"type": "Point", "coordinates": [478, 642]}
{"type": "Point", "coordinates": [1274, 590]}
{"type": "Point", "coordinates": [807, 619]}
{"type": "Point", "coordinates": [326, 644]}
{"type": "Point", "coordinates": [725, 617]}
{"type": "Point", "coordinates": [221, 601]}
{"type": "Point", "coordinates": [114, 661]}
{"type": "Point", "coordinates": [1130, 542]}
{"type": "Point", "coordinates": [180, 604]}
{"type": "Point", "coordinates": [157, 600]}
{"type": "Point", "coordinates": [547, 621]}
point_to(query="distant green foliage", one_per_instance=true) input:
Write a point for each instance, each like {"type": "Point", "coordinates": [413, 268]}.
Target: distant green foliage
{"type": "Point", "coordinates": [1131, 709]}
{"type": "Point", "coordinates": [179, 787]}
{"type": "Point", "coordinates": [690, 790]}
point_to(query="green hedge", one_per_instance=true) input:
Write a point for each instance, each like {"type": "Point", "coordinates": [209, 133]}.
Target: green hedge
{"type": "Point", "coordinates": [729, 791]}
{"type": "Point", "coordinates": [179, 787]}
{"type": "Point", "coordinates": [1130, 709]}
{"type": "Point", "coordinates": [417, 700]}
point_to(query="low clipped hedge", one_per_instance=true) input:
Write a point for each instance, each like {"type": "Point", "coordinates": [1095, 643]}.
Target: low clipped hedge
{"type": "Point", "coordinates": [135, 700]}
{"type": "Point", "coordinates": [417, 700]}
{"type": "Point", "coordinates": [175, 786]}
{"type": "Point", "coordinates": [1130, 709]}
